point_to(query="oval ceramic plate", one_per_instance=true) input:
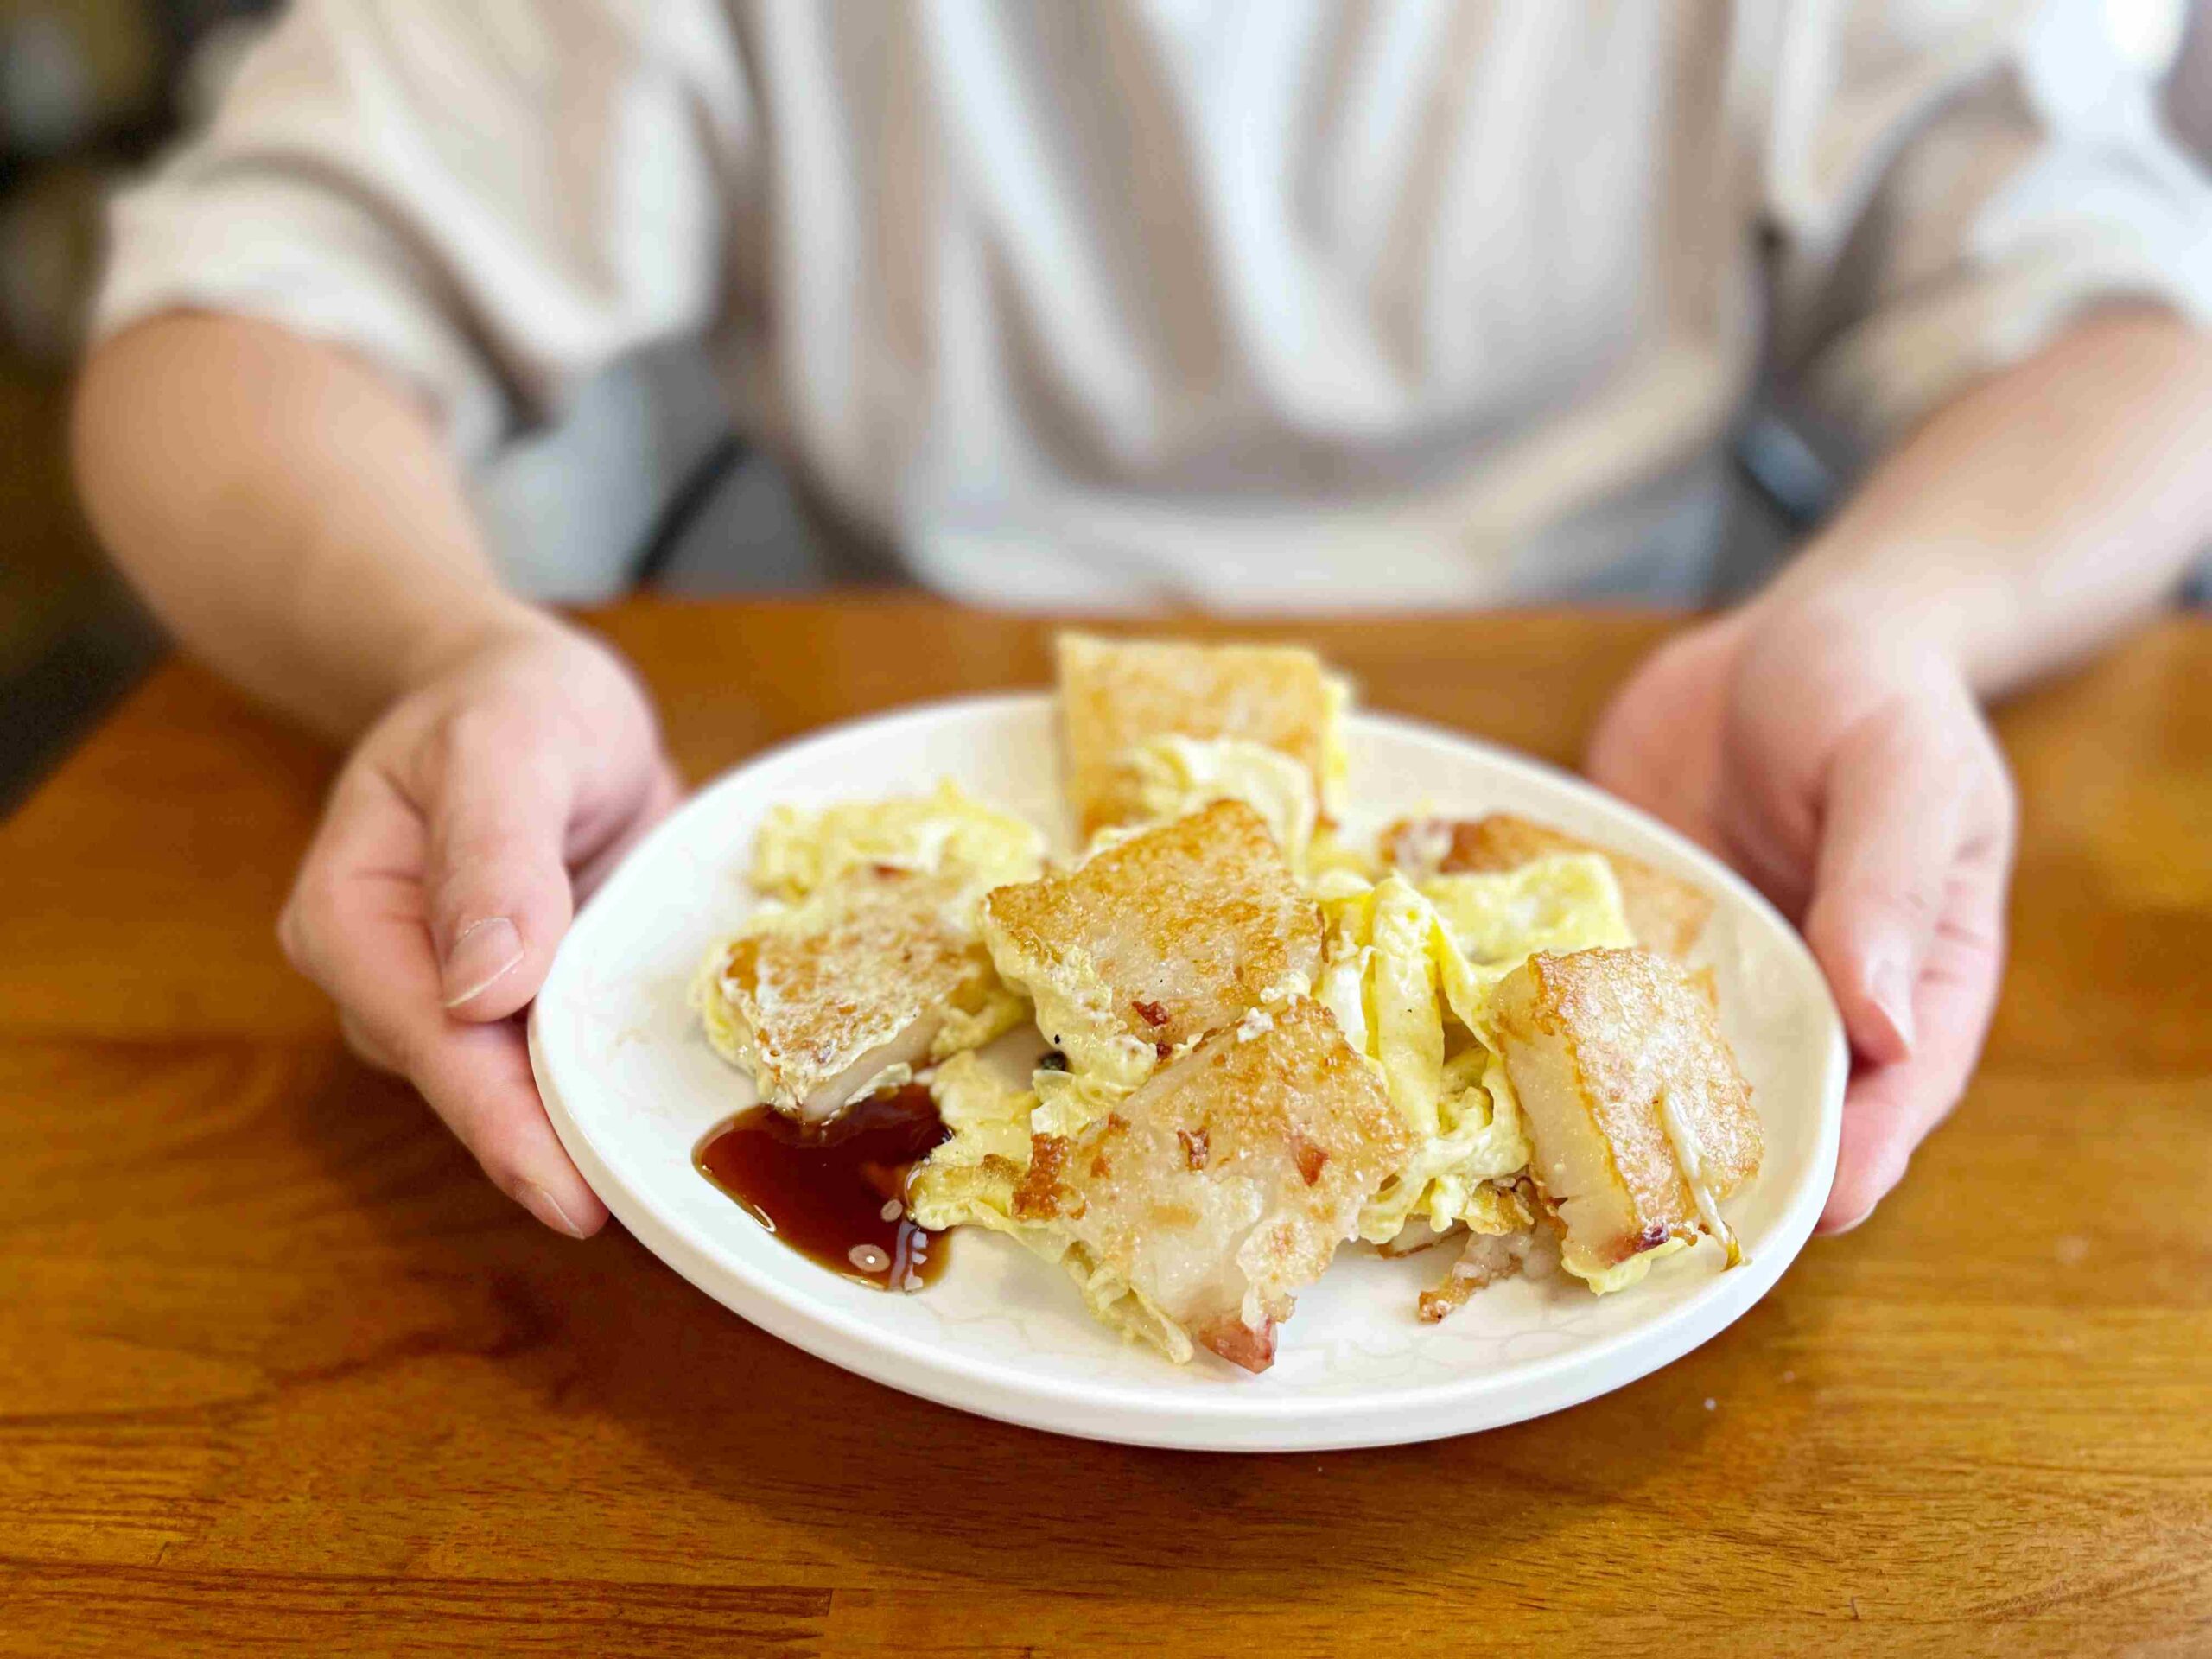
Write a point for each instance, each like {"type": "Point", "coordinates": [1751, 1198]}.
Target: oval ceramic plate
{"type": "Point", "coordinates": [633, 1088]}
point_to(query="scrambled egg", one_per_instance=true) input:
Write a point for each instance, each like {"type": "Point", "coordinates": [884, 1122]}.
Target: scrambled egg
{"type": "Point", "coordinates": [972, 1175]}
{"type": "Point", "coordinates": [1562, 902]}
{"type": "Point", "coordinates": [1389, 960]}
{"type": "Point", "coordinates": [1176, 776]}
{"type": "Point", "coordinates": [1401, 964]}
{"type": "Point", "coordinates": [947, 832]}
{"type": "Point", "coordinates": [1331, 857]}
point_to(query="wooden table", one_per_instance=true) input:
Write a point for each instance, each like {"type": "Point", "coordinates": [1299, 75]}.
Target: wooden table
{"type": "Point", "coordinates": [279, 1372]}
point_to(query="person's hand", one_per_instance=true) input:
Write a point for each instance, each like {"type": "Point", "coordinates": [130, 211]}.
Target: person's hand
{"type": "Point", "coordinates": [452, 851]}
{"type": "Point", "coordinates": [1847, 772]}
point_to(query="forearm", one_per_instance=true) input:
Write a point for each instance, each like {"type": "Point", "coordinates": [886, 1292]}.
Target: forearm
{"type": "Point", "coordinates": [291, 515]}
{"type": "Point", "coordinates": [2039, 513]}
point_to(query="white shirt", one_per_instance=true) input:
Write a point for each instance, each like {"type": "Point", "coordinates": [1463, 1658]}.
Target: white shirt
{"type": "Point", "coordinates": [1240, 303]}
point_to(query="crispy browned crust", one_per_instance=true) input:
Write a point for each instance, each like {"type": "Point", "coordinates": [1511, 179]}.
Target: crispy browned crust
{"type": "Point", "coordinates": [1664, 913]}
{"type": "Point", "coordinates": [1040, 1196]}
{"type": "Point", "coordinates": [1116, 694]}
{"type": "Point", "coordinates": [1173, 934]}
{"type": "Point", "coordinates": [1630, 1027]}
{"type": "Point", "coordinates": [873, 955]}
{"type": "Point", "coordinates": [1291, 1113]}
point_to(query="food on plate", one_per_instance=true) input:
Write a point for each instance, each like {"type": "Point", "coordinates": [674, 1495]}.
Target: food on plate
{"type": "Point", "coordinates": [872, 975]}
{"type": "Point", "coordinates": [1223, 1187]}
{"type": "Point", "coordinates": [1561, 902]}
{"type": "Point", "coordinates": [1156, 940]}
{"type": "Point", "coordinates": [1485, 1259]}
{"type": "Point", "coordinates": [1241, 1036]}
{"type": "Point", "coordinates": [1664, 913]}
{"type": "Point", "coordinates": [945, 833]}
{"type": "Point", "coordinates": [1640, 1121]}
{"type": "Point", "coordinates": [1175, 776]}
{"type": "Point", "coordinates": [1118, 695]}
{"type": "Point", "coordinates": [867, 963]}
{"type": "Point", "coordinates": [1393, 978]}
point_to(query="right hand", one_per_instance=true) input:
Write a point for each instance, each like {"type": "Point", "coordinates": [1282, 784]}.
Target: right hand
{"type": "Point", "coordinates": [454, 846]}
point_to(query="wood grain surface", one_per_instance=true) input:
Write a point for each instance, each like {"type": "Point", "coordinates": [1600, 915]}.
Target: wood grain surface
{"type": "Point", "coordinates": [278, 1373]}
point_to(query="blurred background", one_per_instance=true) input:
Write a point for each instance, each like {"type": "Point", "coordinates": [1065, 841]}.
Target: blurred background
{"type": "Point", "coordinates": [91, 90]}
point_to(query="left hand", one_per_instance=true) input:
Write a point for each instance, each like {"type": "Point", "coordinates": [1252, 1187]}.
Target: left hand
{"type": "Point", "coordinates": [1846, 769]}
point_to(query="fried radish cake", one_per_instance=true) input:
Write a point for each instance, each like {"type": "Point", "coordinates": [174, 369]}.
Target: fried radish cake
{"type": "Point", "coordinates": [1157, 940]}
{"type": "Point", "coordinates": [1640, 1121]}
{"type": "Point", "coordinates": [1224, 1185]}
{"type": "Point", "coordinates": [878, 972]}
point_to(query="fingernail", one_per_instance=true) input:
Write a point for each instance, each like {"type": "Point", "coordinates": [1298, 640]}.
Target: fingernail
{"type": "Point", "coordinates": [1857, 1220]}
{"type": "Point", "coordinates": [541, 1204]}
{"type": "Point", "coordinates": [485, 953]}
{"type": "Point", "coordinates": [1888, 987]}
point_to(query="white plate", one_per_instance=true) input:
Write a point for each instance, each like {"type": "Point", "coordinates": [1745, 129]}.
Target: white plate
{"type": "Point", "coordinates": [632, 1087]}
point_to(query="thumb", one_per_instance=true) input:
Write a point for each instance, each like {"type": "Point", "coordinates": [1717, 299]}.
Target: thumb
{"type": "Point", "coordinates": [497, 805]}
{"type": "Point", "coordinates": [1889, 829]}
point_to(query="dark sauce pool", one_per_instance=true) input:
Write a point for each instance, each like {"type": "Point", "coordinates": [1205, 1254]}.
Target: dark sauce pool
{"type": "Point", "coordinates": [837, 1196]}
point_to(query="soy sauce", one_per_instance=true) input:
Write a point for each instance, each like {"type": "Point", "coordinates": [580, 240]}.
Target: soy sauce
{"type": "Point", "coordinates": [836, 1195]}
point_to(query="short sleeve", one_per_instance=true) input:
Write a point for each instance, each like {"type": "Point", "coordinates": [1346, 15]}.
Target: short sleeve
{"type": "Point", "coordinates": [492, 201]}
{"type": "Point", "coordinates": [1951, 184]}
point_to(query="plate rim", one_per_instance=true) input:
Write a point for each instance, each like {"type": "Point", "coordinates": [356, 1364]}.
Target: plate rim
{"type": "Point", "coordinates": [1284, 1422]}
